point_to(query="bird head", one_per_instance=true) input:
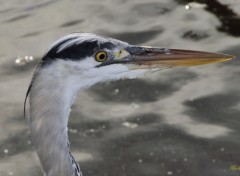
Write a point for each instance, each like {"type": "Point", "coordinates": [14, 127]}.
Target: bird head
{"type": "Point", "coordinates": [76, 62]}
{"type": "Point", "coordinates": [97, 59]}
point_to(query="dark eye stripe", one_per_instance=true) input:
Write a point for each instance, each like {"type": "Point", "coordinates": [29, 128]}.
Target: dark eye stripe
{"type": "Point", "coordinates": [79, 46]}
{"type": "Point", "coordinates": [74, 52]}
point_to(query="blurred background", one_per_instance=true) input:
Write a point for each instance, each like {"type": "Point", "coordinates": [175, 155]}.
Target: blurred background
{"type": "Point", "coordinates": [182, 121]}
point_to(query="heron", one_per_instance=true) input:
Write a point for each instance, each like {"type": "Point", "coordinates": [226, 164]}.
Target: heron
{"type": "Point", "coordinates": [76, 62]}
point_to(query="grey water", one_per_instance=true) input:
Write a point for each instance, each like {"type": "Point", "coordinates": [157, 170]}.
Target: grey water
{"type": "Point", "coordinates": [182, 121]}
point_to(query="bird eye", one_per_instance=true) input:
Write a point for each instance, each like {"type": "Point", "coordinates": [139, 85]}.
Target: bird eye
{"type": "Point", "coordinates": [101, 56]}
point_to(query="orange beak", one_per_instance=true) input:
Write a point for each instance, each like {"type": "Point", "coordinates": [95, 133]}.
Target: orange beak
{"type": "Point", "coordinates": [156, 57]}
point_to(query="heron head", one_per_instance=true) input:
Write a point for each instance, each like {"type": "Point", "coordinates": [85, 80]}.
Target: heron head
{"type": "Point", "coordinates": [97, 58]}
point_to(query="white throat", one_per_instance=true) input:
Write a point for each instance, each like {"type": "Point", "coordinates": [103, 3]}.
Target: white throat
{"type": "Point", "coordinates": [52, 93]}
{"type": "Point", "coordinates": [51, 98]}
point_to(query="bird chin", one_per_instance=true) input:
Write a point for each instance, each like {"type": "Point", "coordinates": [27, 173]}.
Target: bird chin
{"type": "Point", "coordinates": [135, 70]}
{"type": "Point", "coordinates": [126, 71]}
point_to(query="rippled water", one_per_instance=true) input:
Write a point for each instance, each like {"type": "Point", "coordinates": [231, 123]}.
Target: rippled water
{"type": "Point", "coordinates": [181, 121]}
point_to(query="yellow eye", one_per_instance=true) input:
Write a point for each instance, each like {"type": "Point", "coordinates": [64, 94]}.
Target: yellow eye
{"type": "Point", "coordinates": [101, 56]}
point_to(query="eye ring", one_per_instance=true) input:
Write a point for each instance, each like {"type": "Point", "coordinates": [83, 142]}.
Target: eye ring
{"type": "Point", "coordinates": [101, 56]}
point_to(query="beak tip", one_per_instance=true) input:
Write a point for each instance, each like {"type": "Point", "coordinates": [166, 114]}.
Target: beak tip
{"type": "Point", "coordinates": [232, 57]}
{"type": "Point", "coordinates": [229, 57]}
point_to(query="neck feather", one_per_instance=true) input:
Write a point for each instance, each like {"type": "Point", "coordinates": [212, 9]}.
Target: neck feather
{"type": "Point", "coordinates": [50, 102]}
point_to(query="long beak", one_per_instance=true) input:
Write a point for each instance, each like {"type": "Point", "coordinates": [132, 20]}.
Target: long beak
{"type": "Point", "coordinates": [155, 57]}
{"type": "Point", "coordinates": [149, 57]}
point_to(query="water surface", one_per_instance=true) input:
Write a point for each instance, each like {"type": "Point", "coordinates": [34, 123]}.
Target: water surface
{"type": "Point", "coordinates": [181, 121]}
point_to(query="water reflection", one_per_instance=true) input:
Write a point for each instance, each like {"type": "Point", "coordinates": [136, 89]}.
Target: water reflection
{"type": "Point", "coordinates": [176, 122]}
{"type": "Point", "coordinates": [230, 20]}
{"type": "Point", "coordinates": [23, 60]}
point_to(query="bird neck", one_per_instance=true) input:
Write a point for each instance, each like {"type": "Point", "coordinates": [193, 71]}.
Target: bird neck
{"type": "Point", "coordinates": [50, 102]}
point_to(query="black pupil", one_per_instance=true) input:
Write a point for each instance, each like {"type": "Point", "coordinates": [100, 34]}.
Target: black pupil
{"type": "Point", "coordinates": [102, 56]}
